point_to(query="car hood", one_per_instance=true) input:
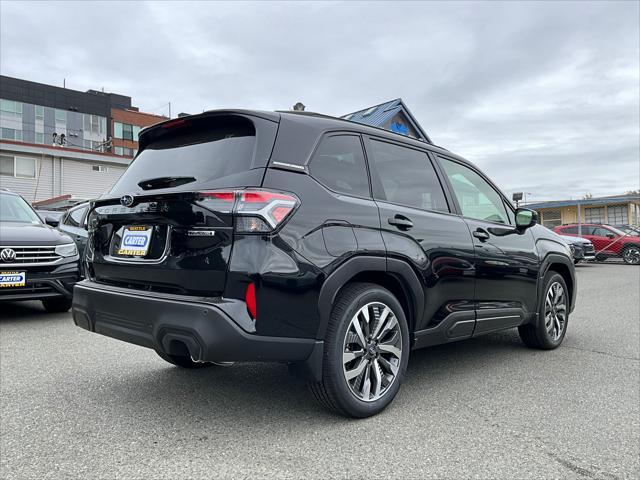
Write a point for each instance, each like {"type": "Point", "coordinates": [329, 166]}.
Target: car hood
{"type": "Point", "coordinates": [569, 238]}
{"type": "Point", "coordinates": [19, 234]}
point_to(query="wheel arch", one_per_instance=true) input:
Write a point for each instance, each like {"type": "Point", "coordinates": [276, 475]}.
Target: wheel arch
{"type": "Point", "coordinates": [395, 275]}
{"type": "Point", "coordinates": [564, 267]}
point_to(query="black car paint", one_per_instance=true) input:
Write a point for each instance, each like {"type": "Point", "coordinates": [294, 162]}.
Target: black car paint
{"type": "Point", "coordinates": [451, 284]}
{"type": "Point", "coordinates": [42, 281]}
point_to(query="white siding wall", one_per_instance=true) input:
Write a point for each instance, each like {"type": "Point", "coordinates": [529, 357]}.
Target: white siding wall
{"type": "Point", "coordinates": [39, 188]}
{"type": "Point", "coordinates": [79, 179]}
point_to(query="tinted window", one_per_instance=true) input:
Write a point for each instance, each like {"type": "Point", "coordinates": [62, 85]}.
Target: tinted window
{"type": "Point", "coordinates": [204, 150]}
{"type": "Point", "coordinates": [601, 232]}
{"type": "Point", "coordinates": [339, 165]}
{"type": "Point", "coordinates": [407, 177]}
{"type": "Point", "coordinates": [74, 218]}
{"type": "Point", "coordinates": [477, 198]}
{"type": "Point", "coordinates": [570, 230]}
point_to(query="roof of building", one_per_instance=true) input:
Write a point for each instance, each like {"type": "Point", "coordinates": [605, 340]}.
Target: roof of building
{"type": "Point", "coordinates": [586, 201]}
{"type": "Point", "coordinates": [380, 114]}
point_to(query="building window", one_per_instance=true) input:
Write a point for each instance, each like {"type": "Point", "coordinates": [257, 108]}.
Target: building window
{"type": "Point", "coordinates": [136, 132]}
{"type": "Point", "coordinates": [39, 137]}
{"type": "Point", "coordinates": [21, 167]}
{"type": "Point", "coordinates": [551, 218]}
{"type": "Point", "coordinates": [6, 165]}
{"type": "Point", "coordinates": [61, 115]}
{"type": "Point", "coordinates": [594, 215]}
{"type": "Point", "coordinates": [127, 131]}
{"type": "Point", "coordinates": [11, 134]}
{"type": "Point", "coordinates": [99, 168]}
{"type": "Point", "coordinates": [39, 112]}
{"type": "Point", "coordinates": [10, 107]}
{"type": "Point", "coordinates": [95, 124]}
{"type": "Point", "coordinates": [117, 130]}
{"type": "Point", "coordinates": [617, 215]}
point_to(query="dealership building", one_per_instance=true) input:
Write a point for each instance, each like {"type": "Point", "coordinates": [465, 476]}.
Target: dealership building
{"type": "Point", "coordinates": [58, 142]}
{"type": "Point", "coordinates": [614, 210]}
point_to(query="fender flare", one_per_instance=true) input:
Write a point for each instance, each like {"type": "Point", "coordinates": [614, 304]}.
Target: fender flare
{"type": "Point", "coordinates": [555, 258]}
{"type": "Point", "coordinates": [341, 275]}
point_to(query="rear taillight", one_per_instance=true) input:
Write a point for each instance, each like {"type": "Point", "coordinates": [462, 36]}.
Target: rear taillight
{"type": "Point", "coordinates": [256, 210]}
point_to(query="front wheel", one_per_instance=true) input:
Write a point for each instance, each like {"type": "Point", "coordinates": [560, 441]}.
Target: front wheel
{"type": "Point", "coordinates": [553, 315]}
{"type": "Point", "coordinates": [56, 305]}
{"type": "Point", "coordinates": [631, 255]}
{"type": "Point", "coordinates": [366, 352]}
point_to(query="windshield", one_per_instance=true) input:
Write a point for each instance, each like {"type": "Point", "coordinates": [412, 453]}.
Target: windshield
{"type": "Point", "coordinates": [218, 148]}
{"type": "Point", "coordinates": [14, 209]}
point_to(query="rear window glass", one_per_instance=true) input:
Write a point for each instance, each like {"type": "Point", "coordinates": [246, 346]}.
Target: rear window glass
{"type": "Point", "coordinates": [194, 151]}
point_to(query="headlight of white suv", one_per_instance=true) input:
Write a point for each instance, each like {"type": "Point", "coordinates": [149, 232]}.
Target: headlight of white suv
{"type": "Point", "coordinates": [66, 250]}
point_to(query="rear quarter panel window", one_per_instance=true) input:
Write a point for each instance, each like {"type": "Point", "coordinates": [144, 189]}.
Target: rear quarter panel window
{"type": "Point", "coordinates": [339, 165]}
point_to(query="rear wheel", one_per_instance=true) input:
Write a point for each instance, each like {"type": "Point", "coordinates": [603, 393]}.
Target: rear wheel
{"type": "Point", "coordinates": [365, 354]}
{"type": "Point", "coordinates": [56, 305]}
{"type": "Point", "coordinates": [631, 255]}
{"type": "Point", "coordinates": [553, 315]}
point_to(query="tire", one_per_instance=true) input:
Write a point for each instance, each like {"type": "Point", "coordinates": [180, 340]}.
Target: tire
{"type": "Point", "coordinates": [576, 262]}
{"type": "Point", "coordinates": [601, 257]}
{"type": "Point", "coordinates": [631, 255]}
{"type": "Point", "coordinates": [376, 355]}
{"type": "Point", "coordinates": [553, 316]}
{"type": "Point", "coordinates": [56, 304]}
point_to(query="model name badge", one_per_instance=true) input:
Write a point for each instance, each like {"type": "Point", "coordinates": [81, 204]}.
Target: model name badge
{"type": "Point", "coordinates": [201, 233]}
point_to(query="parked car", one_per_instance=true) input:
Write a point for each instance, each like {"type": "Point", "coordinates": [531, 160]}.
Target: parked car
{"type": "Point", "coordinates": [254, 236]}
{"type": "Point", "coordinates": [582, 249]}
{"type": "Point", "coordinates": [608, 241]}
{"type": "Point", "coordinates": [73, 224]}
{"type": "Point", "coordinates": [37, 262]}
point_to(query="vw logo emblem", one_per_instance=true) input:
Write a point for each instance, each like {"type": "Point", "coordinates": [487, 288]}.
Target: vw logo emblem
{"type": "Point", "coordinates": [7, 255]}
{"type": "Point", "coordinates": [126, 200]}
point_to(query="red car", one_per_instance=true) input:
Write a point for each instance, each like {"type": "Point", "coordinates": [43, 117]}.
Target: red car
{"type": "Point", "coordinates": [608, 241]}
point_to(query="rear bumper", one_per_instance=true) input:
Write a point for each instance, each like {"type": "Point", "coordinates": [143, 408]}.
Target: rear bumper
{"type": "Point", "coordinates": [163, 322]}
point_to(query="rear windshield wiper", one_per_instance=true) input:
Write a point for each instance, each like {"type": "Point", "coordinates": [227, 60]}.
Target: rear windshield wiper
{"type": "Point", "coordinates": [164, 182]}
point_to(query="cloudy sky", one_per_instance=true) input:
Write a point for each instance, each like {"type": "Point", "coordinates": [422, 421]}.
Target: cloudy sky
{"type": "Point", "coordinates": [545, 97]}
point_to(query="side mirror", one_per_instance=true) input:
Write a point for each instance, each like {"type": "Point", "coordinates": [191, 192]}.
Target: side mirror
{"type": "Point", "coordinates": [525, 218]}
{"type": "Point", "coordinates": [51, 221]}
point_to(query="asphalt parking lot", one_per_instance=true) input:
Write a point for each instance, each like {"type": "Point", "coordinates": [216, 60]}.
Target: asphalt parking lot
{"type": "Point", "coordinates": [79, 405]}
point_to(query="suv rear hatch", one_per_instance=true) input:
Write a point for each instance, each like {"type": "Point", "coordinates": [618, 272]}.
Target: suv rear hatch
{"type": "Point", "coordinates": [167, 224]}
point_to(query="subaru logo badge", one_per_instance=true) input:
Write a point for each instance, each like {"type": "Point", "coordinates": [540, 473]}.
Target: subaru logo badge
{"type": "Point", "coordinates": [126, 200]}
{"type": "Point", "coordinates": [7, 255]}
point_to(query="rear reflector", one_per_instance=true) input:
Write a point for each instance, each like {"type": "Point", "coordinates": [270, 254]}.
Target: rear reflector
{"type": "Point", "coordinates": [250, 300]}
{"type": "Point", "coordinates": [257, 210]}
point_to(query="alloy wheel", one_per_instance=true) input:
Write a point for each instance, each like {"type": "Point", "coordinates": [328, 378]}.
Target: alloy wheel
{"type": "Point", "coordinates": [631, 255]}
{"type": "Point", "coordinates": [555, 311]}
{"type": "Point", "coordinates": [372, 351]}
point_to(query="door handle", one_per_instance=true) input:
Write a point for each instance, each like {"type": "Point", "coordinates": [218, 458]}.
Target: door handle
{"type": "Point", "coordinates": [481, 234]}
{"type": "Point", "coordinates": [400, 221]}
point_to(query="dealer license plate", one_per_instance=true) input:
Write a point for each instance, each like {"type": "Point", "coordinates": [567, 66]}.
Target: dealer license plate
{"type": "Point", "coordinates": [13, 279]}
{"type": "Point", "coordinates": [135, 241]}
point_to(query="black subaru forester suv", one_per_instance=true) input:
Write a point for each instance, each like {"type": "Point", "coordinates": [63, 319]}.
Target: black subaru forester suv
{"type": "Point", "coordinates": [331, 246]}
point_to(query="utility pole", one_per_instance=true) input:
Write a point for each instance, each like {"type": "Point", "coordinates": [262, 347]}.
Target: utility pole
{"type": "Point", "coordinates": [169, 109]}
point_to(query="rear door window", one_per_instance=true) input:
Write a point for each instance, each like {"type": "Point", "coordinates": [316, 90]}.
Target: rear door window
{"type": "Point", "coordinates": [339, 165]}
{"type": "Point", "coordinates": [407, 177]}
